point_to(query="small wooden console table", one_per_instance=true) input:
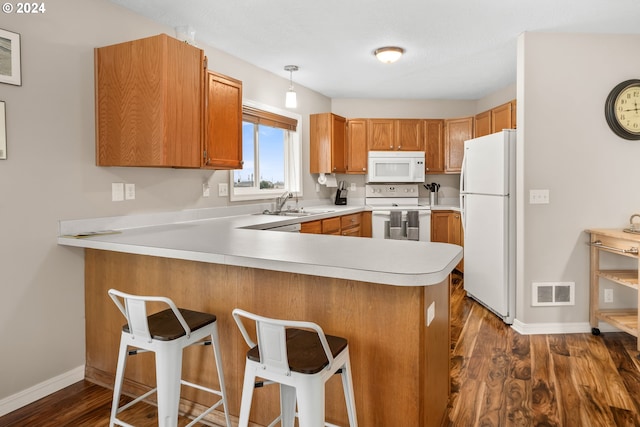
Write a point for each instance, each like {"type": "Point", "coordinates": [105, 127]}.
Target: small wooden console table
{"type": "Point", "coordinates": [622, 243]}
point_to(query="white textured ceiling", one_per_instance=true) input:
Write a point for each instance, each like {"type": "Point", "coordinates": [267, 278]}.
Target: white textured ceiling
{"type": "Point", "coordinates": [455, 49]}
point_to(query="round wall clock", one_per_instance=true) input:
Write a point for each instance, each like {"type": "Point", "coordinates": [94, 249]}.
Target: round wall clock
{"type": "Point", "coordinates": [622, 109]}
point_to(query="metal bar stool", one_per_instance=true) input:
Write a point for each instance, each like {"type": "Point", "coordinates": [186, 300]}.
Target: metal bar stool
{"type": "Point", "coordinates": [165, 333]}
{"type": "Point", "coordinates": [301, 358]}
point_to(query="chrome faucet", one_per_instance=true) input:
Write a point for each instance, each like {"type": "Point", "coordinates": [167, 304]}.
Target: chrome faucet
{"type": "Point", "coordinates": [280, 201]}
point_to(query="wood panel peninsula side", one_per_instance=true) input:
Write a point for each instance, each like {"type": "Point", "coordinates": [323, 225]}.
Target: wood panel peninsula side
{"type": "Point", "coordinates": [391, 303]}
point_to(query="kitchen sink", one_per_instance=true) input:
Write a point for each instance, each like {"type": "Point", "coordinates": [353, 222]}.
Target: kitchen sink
{"type": "Point", "coordinates": [289, 212]}
{"type": "Point", "coordinates": [297, 212]}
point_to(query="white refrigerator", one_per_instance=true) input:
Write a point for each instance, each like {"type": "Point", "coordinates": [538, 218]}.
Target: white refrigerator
{"type": "Point", "coordinates": [488, 206]}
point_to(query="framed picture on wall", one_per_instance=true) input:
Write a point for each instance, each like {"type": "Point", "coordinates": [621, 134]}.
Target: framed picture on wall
{"type": "Point", "coordinates": [3, 132]}
{"type": "Point", "coordinates": [10, 58]}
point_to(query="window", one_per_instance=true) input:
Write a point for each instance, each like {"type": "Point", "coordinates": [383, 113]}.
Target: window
{"type": "Point", "coordinates": [271, 153]}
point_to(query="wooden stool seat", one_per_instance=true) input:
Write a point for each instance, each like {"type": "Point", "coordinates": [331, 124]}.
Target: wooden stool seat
{"type": "Point", "coordinates": [305, 351]}
{"type": "Point", "coordinates": [164, 325]}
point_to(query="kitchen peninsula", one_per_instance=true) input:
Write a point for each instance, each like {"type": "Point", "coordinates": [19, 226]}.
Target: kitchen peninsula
{"type": "Point", "coordinates": [389, 298]}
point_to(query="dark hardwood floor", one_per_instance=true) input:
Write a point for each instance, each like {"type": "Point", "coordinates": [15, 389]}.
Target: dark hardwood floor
{"type": "Point", "coordinates": [502, 378]}
{"type": "Point", "coordinates": [499, 378]}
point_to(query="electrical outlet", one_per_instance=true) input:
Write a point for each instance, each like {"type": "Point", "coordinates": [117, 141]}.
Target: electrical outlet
{"type": "Point", "coordinates": [431, 313]}
{"type": "Point", "coordinates": [538, 197]}
{"type": "Point", "coordinates": [608, 295]}
{"type": "Point", "coordinates": [206, 190]}
{"type": "Point", "coordinates": [223, 189]}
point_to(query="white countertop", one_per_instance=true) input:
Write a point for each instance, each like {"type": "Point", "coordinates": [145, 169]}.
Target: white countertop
{"type": "Point", "coordinates": [208, 236]}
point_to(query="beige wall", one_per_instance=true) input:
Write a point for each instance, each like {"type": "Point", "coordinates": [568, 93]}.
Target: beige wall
{"type": "Point", "coordinates": [566, 146]}
{"type": "Point", "coordinates": [50, 174]}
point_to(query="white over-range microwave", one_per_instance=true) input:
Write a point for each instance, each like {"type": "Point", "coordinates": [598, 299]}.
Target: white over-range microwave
{"type": "Point", "coordinates": [395, 166]}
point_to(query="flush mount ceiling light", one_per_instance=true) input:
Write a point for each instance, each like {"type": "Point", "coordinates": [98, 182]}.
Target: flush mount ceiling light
{"type": "Point", "coordinates": [388, 54]}
{"type": "Point", "coordinates": [290, 100]}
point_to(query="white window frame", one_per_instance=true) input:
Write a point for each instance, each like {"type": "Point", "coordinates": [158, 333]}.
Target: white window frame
{"type": "Point", "coordinates": [293, 162]}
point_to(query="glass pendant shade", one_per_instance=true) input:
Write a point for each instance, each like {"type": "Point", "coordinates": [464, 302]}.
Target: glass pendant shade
{"type": "Point", "coordinates": [291, 101]}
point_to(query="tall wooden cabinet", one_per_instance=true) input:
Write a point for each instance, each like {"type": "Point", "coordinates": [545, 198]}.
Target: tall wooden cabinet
{"type": "Point", "coordinates": [327, 138]}
{"type": "Point", "coordinates": [356, 146]}
{"type": "Point", "coordinates": [151, 96]}
{"type": "Point", "coordinates": [149, 103]}
{"type": "Point", "coordinates": [223, 122]}
{"type": "Point", "coordinates": [434, 149]}
{"type": "Point", "coordinates": [456, 131]}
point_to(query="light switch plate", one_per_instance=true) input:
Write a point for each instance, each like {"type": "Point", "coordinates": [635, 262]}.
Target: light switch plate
{"type": "Point", "coordinates": [129, 191]}
{"type": "Point", "coordinates": [117, 191]}
{"type": "Point", "coordinates": [223, 189]}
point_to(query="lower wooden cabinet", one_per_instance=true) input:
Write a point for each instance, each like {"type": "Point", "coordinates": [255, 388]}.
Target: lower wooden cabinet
{"type": "Point", "coordinates": [331, 225]}
{"type": "Point", "coordinates": [311, 227]}
{"type": "Point", "coordinates": [357, 224]}
{"type": "Point", "coordinates": [446, 227]}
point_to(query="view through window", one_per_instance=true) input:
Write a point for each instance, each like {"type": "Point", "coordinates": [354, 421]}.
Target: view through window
{"type": "Point", "coordinates": [271, 154]}
{"type": "Point", "coordinates": [267, 144]}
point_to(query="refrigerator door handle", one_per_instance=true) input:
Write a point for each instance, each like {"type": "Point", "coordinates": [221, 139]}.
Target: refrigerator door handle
{"type": "Point", "coordinates": [462, 212]}
{"type": "Point", "coordinates": [462, 168]}
{"type": "Point", "coordinates": [462, 190]}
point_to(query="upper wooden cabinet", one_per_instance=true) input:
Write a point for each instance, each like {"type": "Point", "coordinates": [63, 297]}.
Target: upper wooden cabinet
{"type": "Point", "coordinates": [409, 134]}
{"type": "Point", "coordinates": [156, 106]}
{"type": "Point", "coordinates": [502, 117]}
{"type": "Point", "coordinates": [482, 124]}
{"type": "Point", "coordinates": [496, 119]}
{"type": "Point", "coordinates": [356, 146]}
{"type": "Point", "coordinates": [381, 135]}
{"type": "Point", "coordinates": [149, 103]}
{"type": "Point", "coordinates": [396, 134]}
{"type": "Point", "coordinates": [327, 143]}
{"type": "Point", "coordinates": [223, 126]}
{"type": "Point", "coordinates": [434, 151]}
{"type": "Point", "coordinates": [456, 131]}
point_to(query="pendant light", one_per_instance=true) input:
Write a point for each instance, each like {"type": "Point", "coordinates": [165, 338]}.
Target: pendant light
{"type": "Point", "coordinates": [388, 54]}
{"type": "Point", "coordinates": [291, 100]}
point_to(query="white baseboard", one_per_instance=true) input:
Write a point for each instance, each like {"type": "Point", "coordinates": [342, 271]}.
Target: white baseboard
{"type": "Point", "coordinates": [558, 328]}
{"type": "Point", "coordinates": [38, 391]}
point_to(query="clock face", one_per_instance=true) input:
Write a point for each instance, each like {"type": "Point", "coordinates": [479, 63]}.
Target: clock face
{"type": "Point", "coordinates": [622, 109]}
{"type": "Point", "coordinates": [628, 109]}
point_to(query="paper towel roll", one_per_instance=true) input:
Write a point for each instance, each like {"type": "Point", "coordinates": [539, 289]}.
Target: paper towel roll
{"type": "Point", "coordinates": [332, 181]}
{"type": "Point", "coordinates": [322, 179]}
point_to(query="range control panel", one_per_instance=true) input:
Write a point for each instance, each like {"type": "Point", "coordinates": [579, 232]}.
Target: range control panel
{"type": "Point", "coordinates": [391, 190]}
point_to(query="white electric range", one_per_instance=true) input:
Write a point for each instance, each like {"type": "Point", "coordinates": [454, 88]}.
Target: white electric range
{"type": "Point", "coordinates": [396, 212]}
